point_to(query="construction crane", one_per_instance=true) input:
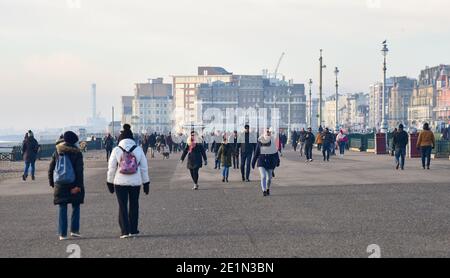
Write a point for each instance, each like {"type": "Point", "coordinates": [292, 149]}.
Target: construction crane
{"type": "Point", "coordinates": [278, 65]}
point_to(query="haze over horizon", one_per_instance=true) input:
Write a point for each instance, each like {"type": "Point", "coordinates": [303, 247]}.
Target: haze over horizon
{"type": "Point", "coordinates": [52, 51]}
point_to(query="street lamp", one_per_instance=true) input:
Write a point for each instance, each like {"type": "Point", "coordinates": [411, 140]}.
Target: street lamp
{"type": "Point", "coordinates": [336, 72]}
{"type": "Point", "coordinates": [384, 126]}
{"type": "Point", "coordinates": [322, 66]}
{"type": "Point", "coordinates": [310, 102]}
{"type": "Point", "coordinates": [289, 116]}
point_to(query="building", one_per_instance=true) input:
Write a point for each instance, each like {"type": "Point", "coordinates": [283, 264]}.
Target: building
{"type": "Point", "coordinates": [185, 89]}
{"type": "Point", "coordinates": [376, 102]}
{"type": "Point", "coordinates": [400, 95]}
{"type": "Point", "coordinates": [151, 107]}
{"type": "Point", "coordinates": [355, 113]}
{"type": "Point", "coordinates": [329, 111]}
{"type": "Point", "coordinates": [423, 101]}
{"type": "Point", "coordinates": [442, 109]}
{"type": "Point", "coordinates": [251, 91]}
{"type": "Point", "coordinates": [127, 109]}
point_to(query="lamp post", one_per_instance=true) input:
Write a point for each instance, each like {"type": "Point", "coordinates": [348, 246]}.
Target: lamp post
{"type": "Point", "coordinates": [310, 102]}
{"type": "Point", "coordinates": [289, 115]}
{"type": "Point", "coordinates": [322, 66]}
{"type": "Point", "coordinates": [384, 126]}
{"type": "Point", "coordinates": [336, 72]}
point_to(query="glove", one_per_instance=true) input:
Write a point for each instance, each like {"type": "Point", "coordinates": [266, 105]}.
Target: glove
{"type": "Point", "coordinates": [110, 187]}
{"type": "Point", "coordinates": [146, 188]}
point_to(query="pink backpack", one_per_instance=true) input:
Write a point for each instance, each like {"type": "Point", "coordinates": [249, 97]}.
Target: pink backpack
{"type": "Point", "coordinates": [128, 164]}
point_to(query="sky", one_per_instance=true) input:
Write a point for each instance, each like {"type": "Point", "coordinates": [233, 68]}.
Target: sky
{"type": "Point", "coordinates": [52, 50]}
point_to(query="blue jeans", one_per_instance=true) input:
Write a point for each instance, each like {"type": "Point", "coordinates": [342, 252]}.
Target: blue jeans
{"type": "Point", "coordinates": [426, 155]}
{"type": "Point", "coordinates": [266, 177]}
{"type": "Point", "coordinates": [400, 154]}
{"type": "Point", "coordinates": [225, 171]}
{"type": "Point", "coordinates": [27, 166]}
{"type": "Point", "coordinates": [342, 147]}
{"type": "Point", "coordinates": [75, 223]}
{"type": "Point", "coordinates": [246, 160]}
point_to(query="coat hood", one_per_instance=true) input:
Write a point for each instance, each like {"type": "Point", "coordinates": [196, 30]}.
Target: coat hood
{"type": "Point", "coordinates": [127, 144]}
{"type": "Point", "coordinates": [63, 147]}
{"type": "Point", "coordinates": [267, 144]}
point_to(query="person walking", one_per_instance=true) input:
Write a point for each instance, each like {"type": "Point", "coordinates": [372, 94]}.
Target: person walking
{"type": "Point", "coordinates": [152, 144]}
{"type": "Point", "coordinates": [215, 146]}
{"type": "Point", "coordinates": [109, 144]}
{"type": "Point", "coordinates": [195, 155]}
{"type": "Point", "coordinates": [328, 143]}
{"type": "Point", "coordinates": [309, 143]}
{"type": "Point", "coordinates": [66, 177]}
{"type": "Point", "coordinates": [266, 159]}
{"type": "Point", "coordinates": [30, 149]}
{"type": "Point", "coordinates": [235, 147]}
{"type": "Point", "coordinates": [127, 172]}
{"type": "Point", "coordinates": [301, 141]}
{"type": "Point", "coordinates": [169, 142]}
{"type": "Point", "coordinates": [341, 140]}
{"type": "Point", "coordinates": [319, 140]}
{"type": "Point", "coordinates": [145, 144]}
{"type": "Point", "coordinates": [425, 143]}
{"type": "Point", "coordinates": [224, 154]}
{"type": "Point", "coordinates": [399, 142]}
{"type": "Point", "coordinates": [247, 147]}
{"type": "Point", "coordinates": [294, 138]}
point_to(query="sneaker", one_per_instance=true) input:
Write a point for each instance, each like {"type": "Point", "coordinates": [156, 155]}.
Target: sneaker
{"type": "Point", "coordinates": [268, 192]}
{"type": "Point", "coordinates": [61, 238]}
{"type": "Point", "coordinates": [124, 236]}
{"type": "Point", "coordinates": [247, 180]}
{"type": "Point", "coordinates": [134, 235]}
{"type": "Point", "coordinates": [32, 178]}
{"type": "Point", "coordinates": [264, 193]}
{"type": "Point", "coordinates": [75, 235]}
{"type": "Point", "coordinates": [223, 179]}
{"type": "Point", "coordinates": [195, 187]}
{"type": "Point", "coordinates": [243, 179]}
{"type": "Point", "coordinates": [226, 179]}
{"type": "Point", "coordinates": [311, 160]}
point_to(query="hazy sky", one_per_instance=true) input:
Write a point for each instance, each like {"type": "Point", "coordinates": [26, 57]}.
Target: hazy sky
{"type": "Point", "coordinates": [51, 51]}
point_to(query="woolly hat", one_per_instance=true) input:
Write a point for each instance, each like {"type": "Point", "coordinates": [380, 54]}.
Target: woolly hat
{"type": "Point", "coordinates": [70, 137]}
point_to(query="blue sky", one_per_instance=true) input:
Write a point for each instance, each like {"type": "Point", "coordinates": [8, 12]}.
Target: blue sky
{"type": "Point", "coordinates": [51, 51]}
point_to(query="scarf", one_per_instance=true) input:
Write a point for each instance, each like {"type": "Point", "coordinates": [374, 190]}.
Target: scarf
{"type": "Point", "coordinates": [267, 144]}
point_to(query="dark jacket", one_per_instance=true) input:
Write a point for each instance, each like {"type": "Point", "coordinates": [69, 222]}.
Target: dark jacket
{"type": "Point", "coordinates": [309, 138]}
{"type": "Point", "coordinates": [62, 194]}
{"type": "Point", "coordinates": [194, 157]}
{"type": "Point", "coordinates": [30, 148]}
{"type": "Point", "coordinates": [400, 140]}
{"type": "Point", "coordinates": [327, 139]}
{"type": "Point", "coordinates": [224, 154]}
{"type": "Point", "coordinates": [268, 161]}
{"type": "Point", "coordinates": [302, 136]}
{"type": "Point", "coordinates": [247, 147]}
{"type": "Point", "coordinates": [109, 143]}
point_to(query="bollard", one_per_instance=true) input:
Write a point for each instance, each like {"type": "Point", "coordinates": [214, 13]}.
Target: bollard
{"type": "Point", "coordinates": [380, 143]}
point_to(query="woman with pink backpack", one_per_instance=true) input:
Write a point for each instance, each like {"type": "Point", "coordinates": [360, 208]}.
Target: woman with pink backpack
{"type": "Point", "coordinates": [127, 172]}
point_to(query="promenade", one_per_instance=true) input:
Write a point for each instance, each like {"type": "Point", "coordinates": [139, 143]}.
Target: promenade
{"type": "Point", "coordinates": [319, 209]}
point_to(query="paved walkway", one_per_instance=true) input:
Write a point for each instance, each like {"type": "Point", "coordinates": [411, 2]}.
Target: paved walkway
{"type": "Point", "coordinates": [324, 209]}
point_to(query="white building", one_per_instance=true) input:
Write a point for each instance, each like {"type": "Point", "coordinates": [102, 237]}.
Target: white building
{"type": "Point", "coordinates": [151, 107]}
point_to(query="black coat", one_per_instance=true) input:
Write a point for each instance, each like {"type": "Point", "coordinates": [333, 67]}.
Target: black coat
{"type": "Point", "coordinates": [30, 148]}
{"type": "Point", "coordinates": [195, 157]}
{"type": "Point", "coordinates": [328, 139]}
{"type": "Point", "coordinates": [400, 139]}
{"type": "Point", "coordinates": [309, 138]}
{"type": "Point", "coordinates": [268, 161]}
{"type": "Point", "coordinates": [62, 194]}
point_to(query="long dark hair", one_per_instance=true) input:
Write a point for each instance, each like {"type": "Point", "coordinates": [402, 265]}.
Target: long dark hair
{"type": "Point", "coordinates": [426, 126]}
